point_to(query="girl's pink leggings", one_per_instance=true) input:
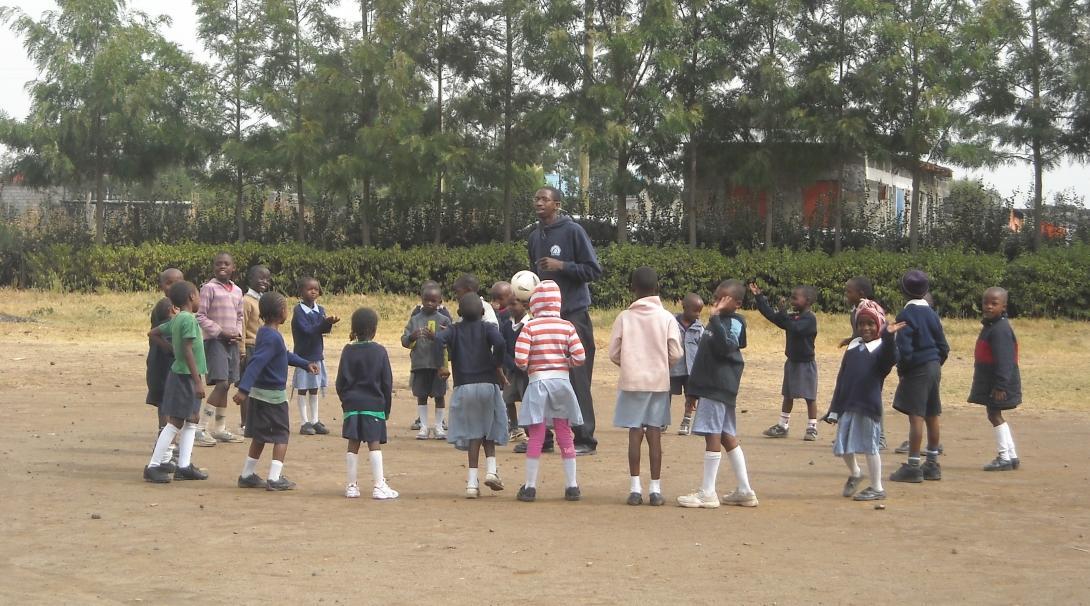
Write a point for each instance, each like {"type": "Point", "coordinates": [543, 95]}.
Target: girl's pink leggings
{"type": "Point", "coordinates": [564, 437]}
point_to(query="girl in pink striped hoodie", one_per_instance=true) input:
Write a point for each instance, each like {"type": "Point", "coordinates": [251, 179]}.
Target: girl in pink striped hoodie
{"type": "Point", "coordinates": [547, 348]}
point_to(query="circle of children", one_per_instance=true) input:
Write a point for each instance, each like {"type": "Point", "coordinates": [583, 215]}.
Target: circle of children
{"type": "Point", "coordinates": [501, 353]}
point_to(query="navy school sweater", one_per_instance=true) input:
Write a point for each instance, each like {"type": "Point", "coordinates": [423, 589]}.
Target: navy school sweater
{"type": "Point", "coordinates": [923, 340]}
{"type": "Point", "coordinates": [307, 330]}
{"type": "Point", "coordinates": [717, 369]}
{"type": "Point", "coordinates": [862, 375]}
{"type": "Point", "coordinates": [476, 351]}
{"type": "Point", "coordinates": [510, 337]}
{"type": "Point", "coordinates": [267, 368]}
{"type": "Point", "coordinates": [995, 365]}
{"type": "Point", "coordinates": [364, 378]}
{"type": "Point", "coordinates": [801, 330]}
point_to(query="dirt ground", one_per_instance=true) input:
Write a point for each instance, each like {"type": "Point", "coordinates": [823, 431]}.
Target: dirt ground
{"type": "Point", "coordinates": [81, 526]}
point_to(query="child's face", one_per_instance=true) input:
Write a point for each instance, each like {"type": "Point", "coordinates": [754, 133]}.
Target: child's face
{"type": "Point", "coordinates": [799, 301]}
{"type": "Point", "coordinates": [517, 309]}
{"type": "Point", "coordinates": [430, 301]}
{"type": "Point", "coordinates": [502, 297]}
{"type": "Point", "coordinates": [868, 329]}
{"type": "Point", "coordinates": [260, 281]}
{"type": "Point", "coordinates": [310, 291]}
{"type": "Point", "coordinates": [994, 304]}
{"type": "Point", "coordinates": [223, 268]}
{"type": "Point", "coordinates": [727, 303]}
{"type": "Point", "coordinates": [690, 311]}
{"type": "Point", "coordinates": [852, 294]}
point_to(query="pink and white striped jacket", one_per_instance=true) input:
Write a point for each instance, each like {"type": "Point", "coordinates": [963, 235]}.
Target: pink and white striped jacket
{"type": "Point", "coordinates": [548, 345]}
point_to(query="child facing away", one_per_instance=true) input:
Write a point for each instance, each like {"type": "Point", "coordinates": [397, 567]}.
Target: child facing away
{"type": "Point", "coordinates": [997, 384]}
{"type": "Point", "coordinates": [800, 370]}
{"type": "Point", "coordinates": [468, 283]}
{"type": "Point", "coordinates": [161, 357]}
{"type": "Point", "coordinates": [220, 318]}
{"type": "Point", "coordinates": [692, 329]}
{"type": "Point", "coordinates": [428, 374]}
{"type": "Point", "coordinates": [265, 384]}
{"type": "Point", "coordinates": [645, 343]}
{"type": "Point", "coordinates": [922, 350]}
{"type": "Point", "coordinates": [547, 348]}
{"type": "Point", "coordinates": [258, 278]}
{"type": "Point", "coordinates": [716, 375]}
{"type": "Point", "coordinates": [183, 391]}
{"type": "Point", "coordinates": [511, 323]}
{"type": "Point", "coordinates": [365, 385]}
{"type": "Point", "coordinates": [856, 406]}
{"type": "Point", "coordinates": [477, 413]}
{"type": "Point", "coordinates": [309, 325]}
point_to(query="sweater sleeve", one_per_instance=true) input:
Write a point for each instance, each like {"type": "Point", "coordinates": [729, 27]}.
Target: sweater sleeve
{"type": "Point", "coordinates": [264, 351]}
{"type": "Point", "coordinates": [940, 341]}
{"type": "Point", "coordinates": [887, 354]}
{"type": "Point", "coordinates": [387, 382]}
{"type": "Point", "coordinates": [720, 341]}
{"type": "Point", "coordinates": [342, 372]}
{"type": "Point", "coordinates": [576, 352]}
{"type": "Point", "coordinates": [1004, 352]}
{"type": "Point", "coordinates": [675, 349]}
{"type": "Point", "coordinates": [296, 361]}
{"type": "Point", "coordinates": [904, 340]}
{"type": "Point", "coordinates": [313, 324]}
{"type": "Point", "coordinates": [615, 338]}
{"type": "Point", "coordinates": [407, 339]}
{"type": "Point", "coordinates": [499, 345]}
{"type": "Point", "coordinates": [837, 403]}
{"type": "Point", "coordinates": [522, 347]}
{"type": "Point", "coordinates": [776, 317]}
{"type": "Point", "coordinates": [210, 328]}
{"type": "Point", "coordinates": [585, 268]}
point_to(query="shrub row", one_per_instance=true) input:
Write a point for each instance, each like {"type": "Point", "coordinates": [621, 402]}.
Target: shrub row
{"type": "Point", "coordinates": [1053, 282]}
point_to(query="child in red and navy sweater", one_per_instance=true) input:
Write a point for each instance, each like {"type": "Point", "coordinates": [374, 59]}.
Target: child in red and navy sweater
{"type": "Point", "coordinates": [997, 383]}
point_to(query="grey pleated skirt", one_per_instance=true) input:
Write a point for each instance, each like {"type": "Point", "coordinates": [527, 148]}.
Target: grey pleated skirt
{"type": "Point", "coordinates": [549, 399]}
{"type": "Point", "coordinates": [856, 434]}
{"type": "Point", "coordinates": [477, 412]}
{"type": "Point", "coordinates": [637, 409]}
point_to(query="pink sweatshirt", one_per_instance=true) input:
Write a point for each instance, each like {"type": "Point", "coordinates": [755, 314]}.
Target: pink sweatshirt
{"type": "Point", "coordinates": [220, 309]}
{"type": "Point", "coordinates": [645, 343]}
{"type": "Point", "coordinates": [548, 345]}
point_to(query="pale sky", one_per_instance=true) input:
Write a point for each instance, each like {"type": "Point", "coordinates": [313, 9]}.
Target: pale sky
{"type": "Point", "coordinates": [16, 70]}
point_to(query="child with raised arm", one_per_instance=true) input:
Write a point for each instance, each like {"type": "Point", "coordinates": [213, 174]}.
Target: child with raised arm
{"type": "Point", "coordinates": [309, 325]}
{"type": "Point", "coordinates": [265, 384]}
{"type": "Point", "coordinates": [477, 414]}
{"type": "Point", "coordinates": [258, 278]}
{"type": "Point", "coordinates": [645, 343]}
{"type": "Point", "coordinates": [997, 384]}
{"type": "Point", "coordinates": [428, 374]}
{"type": "Point", "coordinates": [800, 369]}
{"type": "Point", "coordinates": [547, 348]}
{"type": "Point", "coordinates": [365, 385]}
{"type": "Point", "coordinates": [161, 357]}
{"type": "Point", "coordinates": [856, 406]}
{"type": "Point", "coordinates": [220, 318]}
{"type": "Point", "coordinates": [692, 329]}
{"type": "Point", "coordinates": [716, 376]}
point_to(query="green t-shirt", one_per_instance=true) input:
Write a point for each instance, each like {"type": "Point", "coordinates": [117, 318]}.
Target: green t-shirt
{"type": "Point", "coordinates": [181, 328]}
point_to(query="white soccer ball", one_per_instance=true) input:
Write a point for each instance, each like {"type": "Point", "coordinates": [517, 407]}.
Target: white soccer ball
{"type": "Point", "coordinates": [523, 284]}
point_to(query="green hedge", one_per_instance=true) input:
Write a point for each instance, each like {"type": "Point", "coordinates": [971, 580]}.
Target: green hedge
{"type": "Point", "coordinates": [1053, 282]}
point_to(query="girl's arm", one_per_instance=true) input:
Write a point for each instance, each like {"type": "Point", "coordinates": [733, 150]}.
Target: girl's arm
{"type": "Point", "coordinates": [264, 352]}
{"type": "Point", "coordinates": [210, 328]}
{"type": "Point", "coordinates": [342, 373]}
{"type": "Point", "coordinates": [615, 338]}
{"type": "Point", "coordinates": [387, 383]}
{"type": "Point", "coordinates": [577, 355]}
{"type": "Point", "coordinates": [722, 342]}
{"type": "Point", "coordinates": [522, 348]}
{"type": "Point", "coordinates": [156, 336]}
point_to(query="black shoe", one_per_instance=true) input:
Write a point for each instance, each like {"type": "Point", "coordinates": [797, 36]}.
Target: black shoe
{"type": "Point", "coordinates": [520, 448]}
{"type": "Point", "coordinates": [306, 430]}
{"type": "Point", "coordinates": [998, 464]}
{"type": "Point", "coordinates": [320, 429]}
{"type": "Point", "coordinates": [907, 473]}
{"type": "Point", "coordinates": [190, 473]}
{"type": "Point", "coordinates": [1015, 463]}
{"type": "Point", "coordinates": [156, 475]}
{"type": "Point", "coordinates": [282, 484]}
{"type": "Point", "coordinates": [251, 481]}
{"type": "Point", "coordinates": [527, 495]}
{"type": "Point", "coordinates": [169, 467]}
{"type": "Point", "coordinates": [584, 450]}
{"type": "Point", "coordinates": [634, 498]}
{"type": "Point", "coordinates": [572, 493]}
{"type": "Point", "coordinates": [931, 470]}
{"type": "Point", "coordinates": [656, 499]}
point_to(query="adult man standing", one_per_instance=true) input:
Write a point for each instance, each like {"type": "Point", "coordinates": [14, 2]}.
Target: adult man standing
{"type": "Point", "coordinates": [560, 250]}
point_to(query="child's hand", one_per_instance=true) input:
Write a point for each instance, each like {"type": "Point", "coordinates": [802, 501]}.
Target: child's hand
{"type": "Point", "coordinates": [895, 327]}
{"type": "Point", "coordinates": [240, 398]}
{"type": "Point", "coordinates": [844, 342]}
{"type": "Point", "coordinates": [504, 382]}
{"type": "Point", "coordinates": [313, 368]}
{"type": "Point", "coordinates": [999, 395]}
{"type": "Point", "coordinates": [198, 388]}
{"type": "Point", "coordinates": [721, 304]}
{"type": "Point", "coordinates": [331, 320]}
{"type": "Point", "coordinates": [443, 373]}
{"type": "Point", "coordinates": [753, 288]}
{"type": "Point", "coordinates": [831, 418]}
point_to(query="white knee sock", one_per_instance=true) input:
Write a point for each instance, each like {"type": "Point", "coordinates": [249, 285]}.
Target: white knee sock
{"type": "Point", "coordinates": [378, 478]}
{"type": "Point", "coordinates": [490, 465]}
{"type": "Point", "coordinates": [440, 414]}
{"type": "Point", "coordinates": [634, 484]}
{"type": "Point", "coordinates": [422, 412]}
{"type": "Point", "coordinates": [738, 463]}
{"type": "Point", "coordinates": [853, 466]}
{"type": "Point", "coordinates": [1001, 441]}
{"type": "Point", "coordinates": [711, 470]}
{"type": "Point", "coordinates": [207, 418]}
{"type": "Point", "coordinates": [531, 472]}
{"type": "Point", "coordinates": [249, 468]}
{"type": "Point", "coordinates": [1011, 451]}
{"type": "Point", "coordinates": [570, 480]}
{"type": "Point", "coordinates": [303, 418]}
{"type": "Point", "coordinates": [656, 486]}
{"type": "Point", "coordinates": [162, 445]}
{"type": "Point", "coordinates": [185, 444]}
{"type": "Point", "coordinates": [168, 454]}
{"type": "Point", "coordinates": [472, 480]}
{"type": "Point", "coordinates": [874, 468]}
{"type": "Point", "coordinates": [275, 468]}
{"type": "Point", "coordinates": [312, 411]}
{"type": "Point", "coordinates": [351, 461]}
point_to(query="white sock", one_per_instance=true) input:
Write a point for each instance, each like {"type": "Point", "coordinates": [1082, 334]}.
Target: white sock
{"type": "Point", "coordinates": [812, 423]}
{"type": "Point", "coordinates": [874, 468]}
{"type": "Point", "coordinates": [531, 472]}
{"type": "Point", "coordinates": [352, 466]}
{"type": "Point", "coordinates": [785, 419]}
{"type": "Point", "coordinates": [472, 480]}
{"type": "Point", "coordinates": [162, 445]}
{"type": "Point", "coordinates": [422, 412]}
{"type": "Point", "coordinates": [440, 414]}
{"type": "Point", "coordinates": [249, 468]}
{"type": "Point", "coordinates": [711, 470]}
{"type": "Point", "coordinates": [1001, 441]}
{"type": "Point", "coordinates": [303, 409]}
{"type": "Point", "coordinates": [312, 411]}
{"type": "Point", "coordinates": [274, 470]}
{"type": "Point", "coordinates": [378, 478]}
{"type": "Point", "coordinates": [208, 416]}
{"type": "Point", "coordinates": [853, 466]}
{"type": "Point", "coordinates": [570, 480]}
{"type": "Point", "coordinates": [634, 484]}
{"type": "Point", "coordinates": [490, 465]}
{"type": "Point", "coordinates": [738, 463]}
{"type": "Point", "coordinates": [1011, 451]}
{"type": "Point", "coordinates": [185, 444]}
{"type": "Point", "coordinates": [168, 454]}
{"type": "Point", "coordinates": [656, 486]}
{"type": "Point", "coordinates": [221, 420]}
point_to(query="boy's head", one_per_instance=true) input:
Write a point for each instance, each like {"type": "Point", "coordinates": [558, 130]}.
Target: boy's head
{"type": "Point", "coordinates": [644, 282]}
{"type": "Point", "coordinates": [272, 308]}
{"type": "Point", "coordinates": [915, 284]}
{"type": "Point", "coordinates": [691, 306]}
{"type": "Point", "coordinates": [857, 289]}
{"type": "Point", "coordinates": [547, 202]}
{"type": "Point", "coordinates": [431, 298]}
{"type": "Point", "coordinates": [309, 289]}
{"type": "Point", "coordinates": [223, 266]}
{"type": "Point", "coordinates": [364, 323]}
{"type": "Point", "coordinates": [731, 294]}
{"type": "Point", "coordinates": [259, 278]}
{"type": "Point", "coordinates": [869, 320]}
{"type": "Point", "coordinates": [501, 295]}
{"type": "Point", "coordinates": [466, 283]}
{"type": "Point", "coordinates": [994, 303]}
{"type": "Point", "coordinates": [803, 297]}
{"type": "Point", "coordinates": [184, 296]}
{"type": "Point", "coordinates": [168, 277]}
{"type": "Point", "coordinates": [517, 309]}
{"type": "Point", "coordinates": [470, 307]}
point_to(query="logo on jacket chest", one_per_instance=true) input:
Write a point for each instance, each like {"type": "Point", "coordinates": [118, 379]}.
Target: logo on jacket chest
{"type": "Point", "coordinates": [555, 250]}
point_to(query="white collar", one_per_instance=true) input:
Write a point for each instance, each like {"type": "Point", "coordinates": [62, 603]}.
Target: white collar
{"type": "Point", "coordinates": [253, 293]}
{"type": "Point", "coordinates": [871, 346]}
{"type": "Point", "coordinates": [309, 310]}
{"type": "Point", "coordinates": [516, 325]}
{"type": "Point", "coordinates": [917, 302]}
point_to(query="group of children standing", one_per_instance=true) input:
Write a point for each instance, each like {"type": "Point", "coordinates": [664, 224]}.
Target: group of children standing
{"type": "Point", "coordinates": [500, 354]}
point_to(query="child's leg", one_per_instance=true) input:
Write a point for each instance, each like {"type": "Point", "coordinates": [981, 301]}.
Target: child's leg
{"type": "Point", "coordinates": [277, 465]}
{"type": "Point", "coordinates": [163, 422]}
{"type": "Point", "coordinates": [533, 452]}
{"type": "Point", "coordinates": [690, 406]}
{"type": "Point", "coordinates": [932, 424]}
{"type": "Point", "coordinates": [874, 468]}
{"type": "Point", "coordinates": [853, 465]}
{"type": "Point", "coordinates": [218, 399]}
{"type": "Point", "coordinates": [303, 408]}
{"type": "Point", "coordinates": [474, 460]}
{"type": "Point", "coordinates": [1003, 439]}
{"type": "Point", "coordinates": [166, 436]}
{"type": "Point", "coordinates": [566, 439]}
{"type": "Point", "coordinates": [713, 455]}
{"type": "Point", "coordinates": [490, 467]}
{"type": "Point", "coordinates": [785, 411]}
{"type": "Point", "coordinates": [440, 412]}
{"type": "Point", "coordinates": [422, 411]}
{"type": "Point", "coordinates": [737, 462]}
{"type": "Point", "coordinates": [378, 476]}
{"type": "Point", "coordinates": [512, 417]}
{"type": "Point", "coordinates": [811, 413]}
{"type": "Point", "coordinates": [915, 438]}
{"type": "Point", "coordinates": [635, 444]}
{"type": "Point", "coordinates": [252, 457]}
{"type": "Point", "coordinates": [185, 441]}
{"type": "Point", "coordinates": [351, 459]}
{"type": "Point", "coordinates": [654, 454]}
{"type": "Point", "coordinates": [312, 406]}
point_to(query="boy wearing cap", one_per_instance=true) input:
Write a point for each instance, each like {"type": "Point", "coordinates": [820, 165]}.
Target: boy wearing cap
{"type": "Point", "coordinates": [922, 350]}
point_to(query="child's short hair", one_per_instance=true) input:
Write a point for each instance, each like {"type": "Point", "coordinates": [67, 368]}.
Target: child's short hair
{"type": "Point", "coordinates": [302, 282]}
{"type": "Point", "coordinates": [364, 323]}
{"type": "Point", "coordinates": [223, 253]}
{"type": "Point", "coordinates": [256, 270]}
{"type": "Point", "coordinates": [692, 299]}
{"type": "Point", "coordinates": [467, 283]}
{"type": "Point", "coordinates": [644, 279]}
{"type": "Point", "coordinates": [428, 285]}
{"type": "Point", "coordinates": [180, 292]}
{"type": "Point", "coordinates": [734, 288]}
{"type": "Point", "coordinates": [470, 307]}
{"type": "Point", "coordinates": [499, 289]}
{"type": "Point", "coordinates": [863, 285]}
{"type": "Point", "coordinates": [430, 288]}
{"type": "Point", "coordinates": [170, 274]}
{"type": "Point", "coordinates": [808, 292]}
{"type": "Point", "coordinates": [270, 306]}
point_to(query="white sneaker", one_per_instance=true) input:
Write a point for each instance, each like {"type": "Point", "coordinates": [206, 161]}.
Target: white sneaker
{"type": "Point", "coordinates": [440, 433]}
{"type": "Point", "coordinates": [699, 500]}
{"type": "Point", "coordinates": [203, 439]}
{"type": "Point", "coordinates": [493, 481]}
{"type": "Point", "coordinates": [227, 437]}
{"type": "Point", "coordinates": [384, 492]}
{"type": "Point", "coordinates": [422, 434]}
{"type": "Point", "coordinates": [741, 499]}
{"type": "Point", "coordinates": [352, 491]}
{"type": "Point", "coordinates": [473, 492]}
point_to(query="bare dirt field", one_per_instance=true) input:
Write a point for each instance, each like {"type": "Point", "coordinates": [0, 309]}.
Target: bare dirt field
{"type": "Point", "coordinates": [81, 526]}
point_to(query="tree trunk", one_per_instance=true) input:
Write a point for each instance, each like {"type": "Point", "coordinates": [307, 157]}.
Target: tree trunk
{"type": "Point", "coordinates": [301, 228]}
{"type": "Point", "coordinates": [690, 213]}
{"type": "Point", "coordinates": [619, 185]}
{"type": "Point", "coordinates": [301, 231]}
{"type": "Point", "coordinates": [838, 209]}
{"type": "Point", "coordinates": [508, 93]}
{"type": "Point", "coordinates": [1036, 126]}
{"type": "Point", "coordinates": [770, 207]}
{"type": "Point", "coordinates": [439, 183]}
{"type": "Point", "coordinates": [588, 58]}
{"type": "Point", "coordinates": [240, 206]}
{"type": "Point", "coordinates": [365, 204]}
{"type": "Point", "coordinates": [100, 204]}
{"type": "Point", "coordinates": [914, 209]}
{"type": "Point", "coordinates": [1038, 198]}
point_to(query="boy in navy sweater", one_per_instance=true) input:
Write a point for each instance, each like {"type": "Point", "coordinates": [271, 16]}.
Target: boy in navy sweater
{"type": "Point", "coordinates": [997, 384]}
{"type": "Point", "coordinates": [923, 349]}
{"type": "Point", "coordinates": [309, 325]}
